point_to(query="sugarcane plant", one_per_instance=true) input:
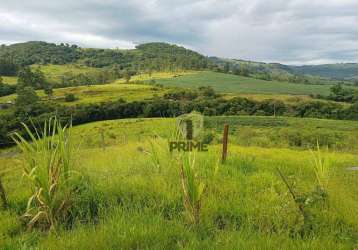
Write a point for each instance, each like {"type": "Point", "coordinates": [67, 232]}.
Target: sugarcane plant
{"type": "Point", "coordinates": [47, 163]}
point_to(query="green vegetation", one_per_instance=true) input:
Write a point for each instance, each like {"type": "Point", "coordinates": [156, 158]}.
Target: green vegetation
{"type": "Point", "coordinates": [111, 181]}
{"type": "Point", "coordinates": [55, 74]}
{"type": "Point", "coordinates": [131, 204]}
{"type": "Point", "coordinates": [338, 71]}
{"type": "Point", "coordinates": [11, 80]}
{"type": "Point", "coordinates": [228, 83]}
{"type": "Point", "coordinates": [260, 131]}
{"type": "Point", "coordinates": [98, 93]}
{"type": "Point", "coordinates": [47, 166]}
{"type": "Point", "coordinates": [308, 74]}
{"type": "Point", "coordinates": [151, 56]}
{"type": "Point", "coordinates": [28, 106]}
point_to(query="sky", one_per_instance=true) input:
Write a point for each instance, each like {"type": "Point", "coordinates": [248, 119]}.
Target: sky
{"type": "Point", "coordinates": [285, 31]}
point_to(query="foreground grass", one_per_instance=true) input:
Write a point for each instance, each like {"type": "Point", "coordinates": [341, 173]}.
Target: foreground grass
{"type": "Point", "coordinates": [227, 83]}
{"type": "Point", "coordinates": [133, 204]}
{"type": "Point", "coordinates": [245, 204]}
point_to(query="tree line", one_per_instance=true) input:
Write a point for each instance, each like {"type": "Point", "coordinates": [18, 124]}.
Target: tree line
{"type": "Point", "coordinates": [29, 109]}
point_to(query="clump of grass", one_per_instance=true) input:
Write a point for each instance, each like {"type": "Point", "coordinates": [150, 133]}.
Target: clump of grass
{"type": "Point", "coordinates": [322, 166]}
{"type": "Point", "coordinates": [48, 161]}
{"type": "Point", "coordinates": [192, 187]}
{"type": "Point", "coordinates": [246, 164]}
{"type": "Point", "coordinates": [154, 156]}
{"type": "Point", "coordinates": [3, 195]}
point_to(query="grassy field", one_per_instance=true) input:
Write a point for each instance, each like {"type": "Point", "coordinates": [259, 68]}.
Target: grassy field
{"type": "Point", "coordinates": [54, 73]}
{"type": "Point", "coordinates": [262, 131]}
{"type": "Point", "coordinates": [158, 75]}
{"type": "Point", "coordinates": [134, 200]}
{"type": "Point", "coordinates": [98, 93]}
{"type": "Point", "coordinates": [228, 83]}
{"type": "Point", "coordinates": [9, 79]}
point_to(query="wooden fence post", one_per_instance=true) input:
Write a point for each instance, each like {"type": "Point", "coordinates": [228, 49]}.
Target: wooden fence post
{"type": "Point", "coordinates": [225, 140]}
{"type": "Point", "coordinates": [3, 195]}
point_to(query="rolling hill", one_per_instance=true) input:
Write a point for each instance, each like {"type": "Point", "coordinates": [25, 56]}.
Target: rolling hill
{"type": "Point", "coordinates": [229, 83]}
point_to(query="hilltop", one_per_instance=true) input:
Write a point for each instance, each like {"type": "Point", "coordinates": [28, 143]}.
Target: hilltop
{"type": "Point", "coordinates": [155, 56]}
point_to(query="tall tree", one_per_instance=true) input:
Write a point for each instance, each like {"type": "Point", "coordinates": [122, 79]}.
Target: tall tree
{"type": "Point", "coordinates": [26, 96]}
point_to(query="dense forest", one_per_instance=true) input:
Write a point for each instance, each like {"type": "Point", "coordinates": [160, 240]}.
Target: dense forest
{"type": "Point", "coordinates": [150, 56]}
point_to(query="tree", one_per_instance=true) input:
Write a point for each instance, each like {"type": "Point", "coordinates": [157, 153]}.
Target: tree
{"type": "Point", "coordinates": [207, 91]}
{"type": "Point", "coordinates": [25, 78]}
{"type": "Point", "coordinates": [69, 97]}
{"type": "Point", "coordinates": [1, 81]}
{"type": "Point", "coordinates": [227, 68]}
{"type": "Point", "coordinates": [244, 71]}
{"type": "Point", "coordinates": [7, 67]}
{"type": "Point", "coordinates": [127, 76]}
{"type": "Point", "coordinates": [48, 90]}
{"type": "Point", "coordinates": [39, 78]}
{"type": "Point", "coordinates": [26, 96]}
{"type": "Point", "coordinates": [34, 79]}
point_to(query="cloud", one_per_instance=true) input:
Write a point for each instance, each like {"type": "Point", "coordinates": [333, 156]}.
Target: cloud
{"type": "Point", "coordinates": [287, 31]}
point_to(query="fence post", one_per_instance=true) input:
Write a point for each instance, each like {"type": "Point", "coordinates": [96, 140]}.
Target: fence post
{"type": "Point", "coordinates": [225, 140]}
{"type": "Point", "coordinates": [3, 195]}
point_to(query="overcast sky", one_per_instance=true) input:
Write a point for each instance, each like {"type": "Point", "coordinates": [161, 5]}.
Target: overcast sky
{"type": "Point", "coordinates": [294, 32]}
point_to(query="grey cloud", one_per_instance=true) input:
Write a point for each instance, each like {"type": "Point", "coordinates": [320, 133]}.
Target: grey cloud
{"type": "Point", "coordinates": [288, 31]}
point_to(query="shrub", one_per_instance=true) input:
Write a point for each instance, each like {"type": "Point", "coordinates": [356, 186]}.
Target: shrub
{"type": "Point", "coordinates": [69, 97]}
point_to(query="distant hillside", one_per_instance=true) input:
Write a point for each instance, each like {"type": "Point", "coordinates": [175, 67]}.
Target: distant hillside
{"type": "Point", "coordinates": [156, 56]}
{"type": "Point", "coordinates": [160, 57]}
{"type": "Point", "coordinates": [259, 67]}
{"type": "Point", "coordinates": [341, 71]}
{"type": "Point", "coordinates": [337, 71]}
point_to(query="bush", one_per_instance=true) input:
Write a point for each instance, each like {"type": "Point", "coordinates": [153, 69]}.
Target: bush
{"type": "Point", "coordinates": [69, 97]}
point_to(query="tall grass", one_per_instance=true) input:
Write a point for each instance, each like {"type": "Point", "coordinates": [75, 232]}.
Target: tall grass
{"type": "Point", "coordinates": [47, 165]}
{"type": "Point", "coordinates": [192, 187]}
{"type": "Point", "coordinates": [322, 167]}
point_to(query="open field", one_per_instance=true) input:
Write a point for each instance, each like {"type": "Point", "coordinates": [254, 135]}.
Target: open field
{"type": "Point", "coordinates": [227, 83]}
{"type": "Point", "coordinates": [263, 131]}
{"type": "Point", "coordinates": [158, 75]}
{"type": "Point", "coordinates": [98, 93]}
{"type": "Point", "coordinates": [9, 79]}
{"type": "Point", "coordinates": [135, 202]}
{"type": "Point", "coordinates": [54, 73]}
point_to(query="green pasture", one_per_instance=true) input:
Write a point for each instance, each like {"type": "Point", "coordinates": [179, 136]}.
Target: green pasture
{"type": "Point", "coordinates": [98, 93]}
{"type": "Point", "coordinates": [132, 201]}
{"type": "Point", "coordinates": [228, 83]}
